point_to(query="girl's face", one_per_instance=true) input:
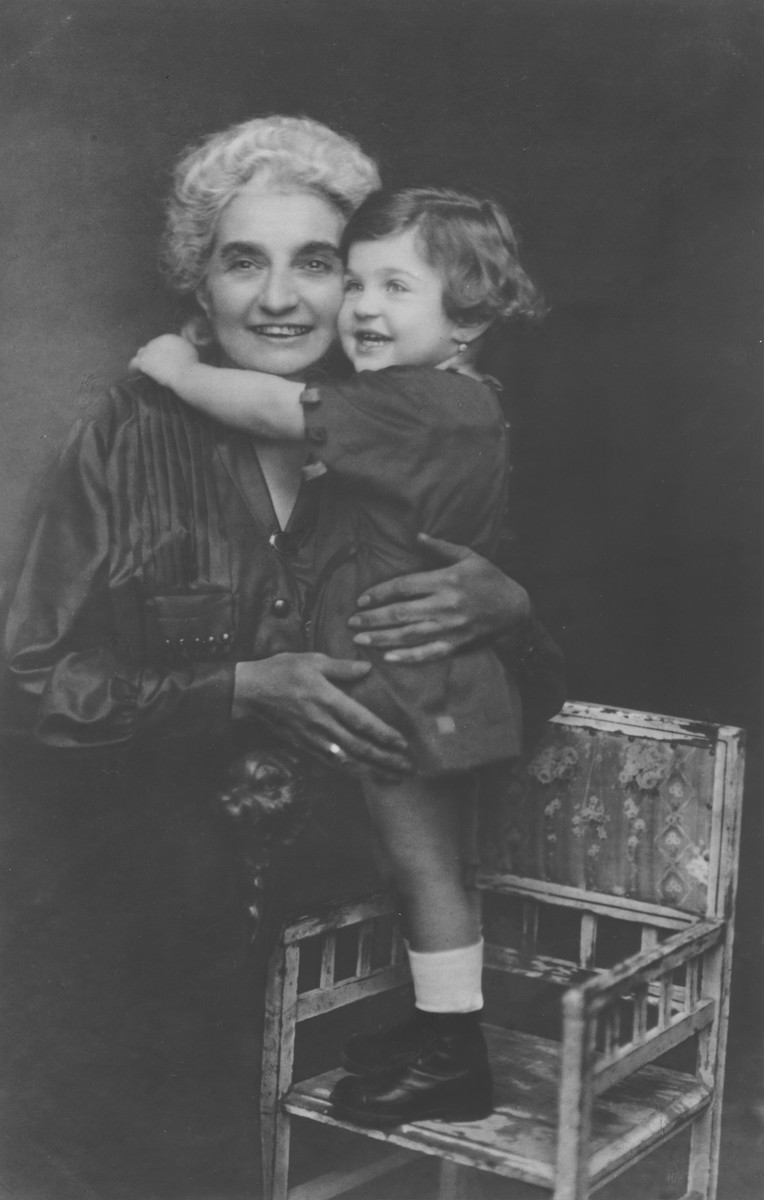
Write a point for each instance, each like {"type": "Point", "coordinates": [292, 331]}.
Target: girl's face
{"type": "Point", "coordinates": [275, 282]}
{"type": "Point", "coordinates": [393, 314]}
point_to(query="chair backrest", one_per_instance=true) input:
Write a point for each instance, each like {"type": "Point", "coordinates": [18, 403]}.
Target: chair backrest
{"type": "Point", "coordinates": [626, 817]}
{"type": "Point", "coordinates": [625, 805]}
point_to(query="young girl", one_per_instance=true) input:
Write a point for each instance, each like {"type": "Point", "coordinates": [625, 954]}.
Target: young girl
{"type": "Point", "coordinates": [417, 441]}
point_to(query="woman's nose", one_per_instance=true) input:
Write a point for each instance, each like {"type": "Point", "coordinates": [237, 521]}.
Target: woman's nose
{"type": "Point", "coordinates": [278, 293]}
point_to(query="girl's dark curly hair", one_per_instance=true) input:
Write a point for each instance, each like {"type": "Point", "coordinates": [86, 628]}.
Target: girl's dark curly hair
{"type": "Point", "coordinates": [469, 241]}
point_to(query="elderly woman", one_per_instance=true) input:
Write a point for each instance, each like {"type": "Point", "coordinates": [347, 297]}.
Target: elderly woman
{"type": "Point", "coordinates": [156, 625]}
{"type": "Point", "coordinates": [163, 589]}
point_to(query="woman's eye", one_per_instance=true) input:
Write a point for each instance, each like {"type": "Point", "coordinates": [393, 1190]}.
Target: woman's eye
{"type": "Point", "coordinates": [319, 266]}
{"type": "Point", "coordinates": [241, 264]}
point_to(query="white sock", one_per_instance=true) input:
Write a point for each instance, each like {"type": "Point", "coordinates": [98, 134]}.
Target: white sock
{"type": "Point", "coordinates": [448, 981]}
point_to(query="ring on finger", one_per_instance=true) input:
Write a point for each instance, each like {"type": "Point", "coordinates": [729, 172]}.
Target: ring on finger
{"type": "Point", "coordinates": [337, 753]}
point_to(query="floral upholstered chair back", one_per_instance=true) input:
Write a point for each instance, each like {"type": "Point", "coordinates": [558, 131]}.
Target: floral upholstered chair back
{"type": "Point", "coordinates": [626, 811]}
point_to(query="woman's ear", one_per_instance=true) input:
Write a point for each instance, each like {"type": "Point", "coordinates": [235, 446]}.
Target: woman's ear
{"type": "Point", "coordinates": [202, 299]}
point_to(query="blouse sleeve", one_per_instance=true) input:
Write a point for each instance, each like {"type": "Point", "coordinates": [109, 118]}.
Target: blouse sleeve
{"type": "Point", "coordinates": [71, 681]}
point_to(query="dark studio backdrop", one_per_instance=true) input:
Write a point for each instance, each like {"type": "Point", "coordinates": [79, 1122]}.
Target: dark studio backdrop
{"type": "Point", "coordinates": [625, 137]}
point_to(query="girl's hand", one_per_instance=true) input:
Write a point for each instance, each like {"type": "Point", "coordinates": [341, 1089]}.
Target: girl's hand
{"type": "Point", "coordinates": [165, 358]}
{"type": "Point", "coordinates": [431, 614]}
{"type": "Point", "coordinates": [299, 695]}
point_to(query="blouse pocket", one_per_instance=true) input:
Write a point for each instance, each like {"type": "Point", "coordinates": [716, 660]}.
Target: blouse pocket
{"type": "Point", "coordinates": [195, 627]}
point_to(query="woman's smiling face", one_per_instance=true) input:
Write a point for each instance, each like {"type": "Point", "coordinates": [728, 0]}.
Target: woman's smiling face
{"type": "Point", "coordinates": [275, 282]}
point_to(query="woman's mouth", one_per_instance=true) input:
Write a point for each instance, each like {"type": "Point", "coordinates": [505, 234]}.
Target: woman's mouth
{"type": "Point", "coordinates": [281, 332]}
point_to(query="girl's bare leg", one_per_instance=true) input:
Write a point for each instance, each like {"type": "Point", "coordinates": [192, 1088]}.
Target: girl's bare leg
{"type": "Point", "coordinates": [436, 1064]}
{"type": "Point", "coordinates": [420, 823]}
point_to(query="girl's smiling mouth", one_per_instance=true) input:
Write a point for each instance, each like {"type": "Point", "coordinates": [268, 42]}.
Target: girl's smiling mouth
{"type": "Point", "coordinates": [367, 339]}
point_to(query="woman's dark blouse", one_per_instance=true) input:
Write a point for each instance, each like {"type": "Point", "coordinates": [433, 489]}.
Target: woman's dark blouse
{"type": "Point", "coordinates": [156, 564]}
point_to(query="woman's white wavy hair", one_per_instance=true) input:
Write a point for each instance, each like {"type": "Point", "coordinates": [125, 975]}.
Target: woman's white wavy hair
{"type": "Point", "coordinates": [286, 153]}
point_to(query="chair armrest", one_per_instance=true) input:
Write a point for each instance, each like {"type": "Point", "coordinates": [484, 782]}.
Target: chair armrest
{"type": "Point", "coordinates": [633, 1013]}
{"type": "Point", "coordinates": [380, 962]}
{"type": "Point", "coordinates": [647, 966]}
{"type": "Point", "coordinates": [338, 916]}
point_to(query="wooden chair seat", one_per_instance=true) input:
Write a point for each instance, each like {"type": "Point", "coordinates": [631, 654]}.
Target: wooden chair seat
{"type": "Point", "coordinates": [519, 1140]}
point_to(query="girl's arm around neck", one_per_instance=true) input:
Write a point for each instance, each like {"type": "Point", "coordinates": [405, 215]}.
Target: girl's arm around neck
{"type": "Point", "coordinates": [265, 405]}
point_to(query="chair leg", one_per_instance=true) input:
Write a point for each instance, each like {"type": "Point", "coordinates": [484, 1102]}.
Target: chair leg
{"type": "Point", "coordinates": [275, 1133]}
{"type": "Point", "coordinates": [704, 1157]}
{"type": "Point", "coordinates": [458, 1183]}
{"type": "Point", "coordinates": [575, 1100]}
{"type": "Point", "coordinates": [703, 1171]}
{"type": "Point", "coordinates": [278, 1060]}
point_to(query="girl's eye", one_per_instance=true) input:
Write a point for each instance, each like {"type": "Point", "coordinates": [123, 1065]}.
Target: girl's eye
{"type": "Point", "coordinates": [352, 285]}
{"type": "Point", "coordinates": [394, 285]}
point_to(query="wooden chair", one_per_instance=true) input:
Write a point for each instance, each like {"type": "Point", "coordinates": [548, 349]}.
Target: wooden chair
{"type": "Point", "coordinates": [607, 866]}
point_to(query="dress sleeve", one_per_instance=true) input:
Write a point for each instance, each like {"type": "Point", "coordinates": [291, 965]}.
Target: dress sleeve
{"type": "Point", "coordinates": [385, 430]}
{"type": "Point", "coordinates": [70, 681]}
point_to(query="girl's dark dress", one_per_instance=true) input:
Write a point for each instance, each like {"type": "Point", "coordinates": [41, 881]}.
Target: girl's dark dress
{"type": "Point", "coordinates": [418, 449]}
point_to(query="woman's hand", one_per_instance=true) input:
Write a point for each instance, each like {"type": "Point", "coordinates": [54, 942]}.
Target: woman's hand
{"type": "Point", "coordinates": [165, 359]}
{"type": "Point", "coordinates": [298, 694]}
{"type": "Point", "coordinates": [430, 614]}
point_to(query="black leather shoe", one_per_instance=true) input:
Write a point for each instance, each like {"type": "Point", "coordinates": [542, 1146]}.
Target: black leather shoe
{"type": "Point", "coordinates": [448, 1080]}
{"type": "Point", "coordinates": [374, 1053]}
